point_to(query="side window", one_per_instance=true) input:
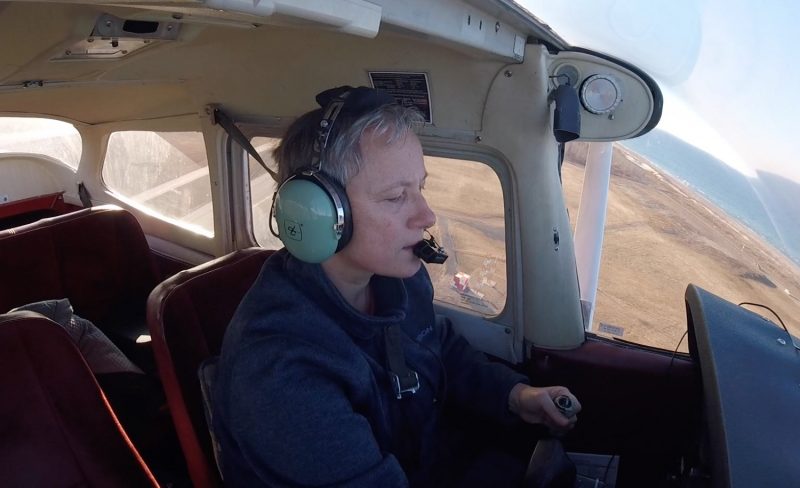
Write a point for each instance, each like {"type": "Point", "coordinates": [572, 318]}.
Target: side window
{"type": "Point", "coordinates": [262, 188]}
{"type": "Point", "coordinates": [663, 233]}
{"type": "Point", "coordinates": [54, 138]}
{"type": "Point", "coordinates": [162, 172]}
{"type": "Point", "coordinates": [470, 223]}
{"type": "Point", "coordinates": [467, 198]}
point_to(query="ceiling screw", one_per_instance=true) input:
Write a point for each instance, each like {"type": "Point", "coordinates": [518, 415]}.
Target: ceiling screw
{"type": "Point", "coordinates": [508, 73]}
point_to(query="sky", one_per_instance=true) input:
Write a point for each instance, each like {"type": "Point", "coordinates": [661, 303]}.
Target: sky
{"type": "Point", "coordinates": [727, 69]}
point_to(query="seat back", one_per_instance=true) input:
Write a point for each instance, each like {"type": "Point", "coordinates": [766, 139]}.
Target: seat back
{"type": "Point", "coordinates": [58, 429]}
{"type": "Point", "coordinates": [188, 315]}
{"type": "Point", "coordinates": [98, 258]}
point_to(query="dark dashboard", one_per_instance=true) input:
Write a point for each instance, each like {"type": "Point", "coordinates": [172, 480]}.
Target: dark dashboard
{"type": "Point", "coordinates": [750, 372]}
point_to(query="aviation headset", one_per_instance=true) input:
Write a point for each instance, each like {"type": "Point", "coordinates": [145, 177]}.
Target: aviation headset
{"type": "Point", "coordinates": [311, 209]}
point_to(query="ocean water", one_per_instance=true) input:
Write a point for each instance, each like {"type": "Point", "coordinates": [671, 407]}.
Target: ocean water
{"type": "Point", "coordinates": [730, 190]}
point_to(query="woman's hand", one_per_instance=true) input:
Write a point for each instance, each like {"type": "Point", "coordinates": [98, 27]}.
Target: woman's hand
{"type": "Point", "coordinates": [536, 406]}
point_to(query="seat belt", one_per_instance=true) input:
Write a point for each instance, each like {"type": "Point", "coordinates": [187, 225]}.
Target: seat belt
{"type": "Point", "coordinates": [229, 126]}
{"type": "Point", "coordinates": [404, 380]}
{"type": "Point", "coordinates": [83, 194]}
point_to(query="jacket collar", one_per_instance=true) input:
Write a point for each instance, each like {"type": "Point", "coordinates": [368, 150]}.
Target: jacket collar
{"type": "Point", "coordinates": [391, 298]}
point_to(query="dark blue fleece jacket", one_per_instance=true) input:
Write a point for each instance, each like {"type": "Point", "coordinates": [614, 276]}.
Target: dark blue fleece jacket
{"type": "Point", "coordinates": [303, 397]}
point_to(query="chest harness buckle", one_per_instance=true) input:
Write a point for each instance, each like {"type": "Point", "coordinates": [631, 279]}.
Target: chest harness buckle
{"type": "Point", "coordinates": [404, 380]}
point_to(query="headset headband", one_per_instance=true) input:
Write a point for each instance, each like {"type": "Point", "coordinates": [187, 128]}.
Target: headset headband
{"type": "Point", "coordinates": [325, 127]}
{"type": "Point", "coordinates": [343, 101]}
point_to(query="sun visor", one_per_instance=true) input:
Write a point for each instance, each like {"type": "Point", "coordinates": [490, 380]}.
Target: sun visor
{"type": "Point", "coordinates": [616, 100]}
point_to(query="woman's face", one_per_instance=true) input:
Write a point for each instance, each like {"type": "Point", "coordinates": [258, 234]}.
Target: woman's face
{"type": "Point", "coordinates": [389, 212]}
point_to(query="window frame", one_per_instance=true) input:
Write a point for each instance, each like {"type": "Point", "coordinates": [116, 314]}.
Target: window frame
{"type": "Point", "coordinates": [149, 209]}
{"type": "Point", "coordinates": [166, 236]}
{"type": "Point", "coordinates": [77, 126]}
{"type": "Point", "coordinates": [437, 147]}
{"type": "Point", "coordinates": [505, 336]}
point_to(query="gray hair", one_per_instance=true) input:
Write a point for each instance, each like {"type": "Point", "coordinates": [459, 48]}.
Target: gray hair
{"type": "Point", "coordinates": [342, 158]}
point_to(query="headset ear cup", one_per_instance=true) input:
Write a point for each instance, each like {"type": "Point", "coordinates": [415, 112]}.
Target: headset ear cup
{"type": "Point", "coordinates": [307, 215]}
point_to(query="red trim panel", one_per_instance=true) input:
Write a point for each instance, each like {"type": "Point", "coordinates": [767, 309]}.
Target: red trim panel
{"type": "Point", "coordinates": [52, 201]}
{"type": "Point", "coordinates": [641, 404]}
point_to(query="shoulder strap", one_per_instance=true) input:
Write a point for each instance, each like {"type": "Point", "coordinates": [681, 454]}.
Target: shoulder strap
{"type": "Point", "coordinates": [227, 123]}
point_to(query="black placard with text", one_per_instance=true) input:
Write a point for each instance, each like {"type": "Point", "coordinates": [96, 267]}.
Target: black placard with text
{"type": "Point", "coordinates": [409, 89]}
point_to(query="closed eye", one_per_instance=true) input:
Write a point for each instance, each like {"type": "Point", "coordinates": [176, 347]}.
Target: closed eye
{"type": "Point", "coordinates": [397, 198]}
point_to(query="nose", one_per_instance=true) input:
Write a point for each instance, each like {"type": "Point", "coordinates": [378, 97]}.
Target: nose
{"type": "Point", "coordinates": [424, 216]}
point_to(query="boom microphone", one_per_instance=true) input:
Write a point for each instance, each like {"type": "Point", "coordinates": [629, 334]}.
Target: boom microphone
{"type": "Point", "coordinates": [429, 251]}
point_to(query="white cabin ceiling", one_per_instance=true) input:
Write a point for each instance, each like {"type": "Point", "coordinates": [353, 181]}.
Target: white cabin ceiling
{"type": "Point", "coordinates": [264, 70]}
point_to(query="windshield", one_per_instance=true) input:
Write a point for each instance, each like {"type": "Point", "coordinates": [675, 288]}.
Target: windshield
{"type": "Point", "coordinates": [723, 144]}
{"type": "Point", "coordinates": [721, 66]}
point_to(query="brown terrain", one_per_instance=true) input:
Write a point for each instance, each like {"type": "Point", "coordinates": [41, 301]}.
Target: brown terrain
{"type": "Point", "coordinates": [660, 237]}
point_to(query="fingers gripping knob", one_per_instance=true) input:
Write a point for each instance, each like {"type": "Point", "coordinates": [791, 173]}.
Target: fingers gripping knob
{"type": "Point", "coordinates": [565, 405]}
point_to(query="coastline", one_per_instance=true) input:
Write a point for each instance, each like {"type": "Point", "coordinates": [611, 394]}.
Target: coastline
{"type": "Point", "coordinates": [766, 234]}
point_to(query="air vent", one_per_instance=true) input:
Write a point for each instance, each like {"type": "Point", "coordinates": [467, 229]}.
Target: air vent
{"type": "Point", "coordinates": [114, 38]}
{"type": "Point", "coordinates": [140, 27]}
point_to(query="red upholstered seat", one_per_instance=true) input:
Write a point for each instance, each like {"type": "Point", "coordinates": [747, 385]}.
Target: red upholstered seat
{"type": "Point", "coordinates": [188, 315]}
{"type": "Point", "coordinates": [98, 258]}
{"type": "Point", "coordinates": [57, 428]}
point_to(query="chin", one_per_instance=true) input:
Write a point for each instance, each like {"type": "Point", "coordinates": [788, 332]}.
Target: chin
{"type": "Point", "coordinates": [417, 264]}
{"type": "Point", "coordinates": [407, 270]}
{"type": "Point", "coordinates": [414, 268]}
